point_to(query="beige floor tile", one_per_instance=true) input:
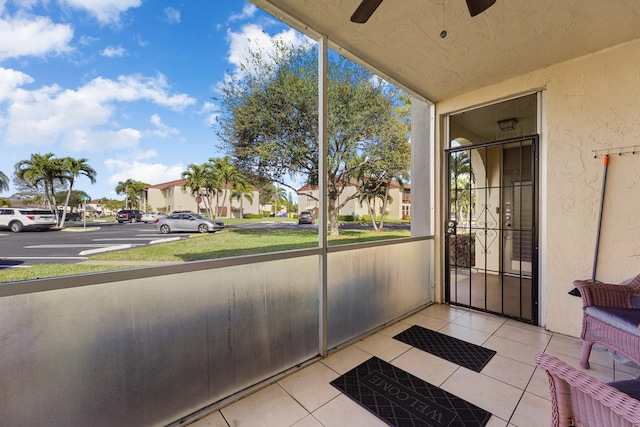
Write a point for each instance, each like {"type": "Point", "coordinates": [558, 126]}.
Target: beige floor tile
{"type": "Point", "coordinates": [464, 333]}
{"type": "Point", "coordinates": [423, 365]}
{"type": "Point", "coordinates": [565, 344]}
{"type": "Point", "coordinates": [479, 321]}
{"type": "Point", "coordinates": [539, 339]}
{"type": "Point", "coordinates": [342, 411]}
{"type": "Point", "coordinates": [426, 321]}
{"type": "Point", "coordinates": [629, 368]}
{"type": "Point", "coordinates": [539, 384]}
{"type": "Point", "coordinates": [531, 411]}
{"type": "Point", "coordinates": [212, 420]}
{"type": "Point", "coordinates": [599, 355]}
{"type": "Point", "coordinates": [510, 371]}
{"type": "Point", "coordinates": [489, 394]}
{"type": "Point", "coordinates": [308, 421]}
{"type": "Point", "coordinates": [514, 350]}
{"type": "Point", "coordinates": [311, 386]}
{"type": "Point", "coordinates": [597, 371]}
{"type": "Point", "coordinates": [528, 326]}
{"type": "Point", "coordinates": [496, 422]}
{"type": "Point", "coordinates": [395, 329]}
{"type": "Point", "coordinates": [346, 359]}
{"type": "Point", "coordinates": [382, 346]}
{"type": "Point", "coordinates": [269, 407]}
{"type": "Point", "coordinates": [443, 312]}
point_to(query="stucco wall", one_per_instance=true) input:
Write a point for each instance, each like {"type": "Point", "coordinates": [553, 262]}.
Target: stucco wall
{"type": "Point", "coordinates": [591, 103]}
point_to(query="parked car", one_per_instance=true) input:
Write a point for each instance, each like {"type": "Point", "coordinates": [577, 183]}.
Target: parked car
{"type": "Point", "coordinates": [20, 219]}
{"type": "Point", "coordinates": [149, 217]}
{"type": "Point", "coordinates": [71, 216]}
{"type": "Point", "coordinates": [305, 217]}
{"type": "Point", "coordinates": [191, 222]}
{"type": "Point", "coordinates": [129, 215]}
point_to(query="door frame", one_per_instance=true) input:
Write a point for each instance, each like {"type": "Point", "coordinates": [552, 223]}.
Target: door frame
{"type": "Point", "coordinates": [535, 284]}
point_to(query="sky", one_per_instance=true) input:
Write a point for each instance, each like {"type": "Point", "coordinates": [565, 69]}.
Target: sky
{"type": "Point", "coordinates": [129, 85]}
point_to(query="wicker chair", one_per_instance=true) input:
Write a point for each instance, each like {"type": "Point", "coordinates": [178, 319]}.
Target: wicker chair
{"type": "Point", "coordinates": [578, 399]}
{"type": "Point", "coordinates": [611, 317]}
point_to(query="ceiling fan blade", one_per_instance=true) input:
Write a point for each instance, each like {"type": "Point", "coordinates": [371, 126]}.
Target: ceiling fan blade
{"type": "Point", "coordinates": [478, 6]}
{"type": "Point", "coordinates": [365, 10]}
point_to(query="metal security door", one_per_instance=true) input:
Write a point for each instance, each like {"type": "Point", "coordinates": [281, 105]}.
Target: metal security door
{"type": "Point", "coordinates": [491, 239]}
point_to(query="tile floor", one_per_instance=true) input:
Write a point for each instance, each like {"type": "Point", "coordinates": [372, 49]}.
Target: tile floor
{"type": "Point", "coordinates": [510, 386]}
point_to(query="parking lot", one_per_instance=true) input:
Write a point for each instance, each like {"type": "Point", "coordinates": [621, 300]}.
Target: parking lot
{"type": "Point", "coordinates": [76, 242]}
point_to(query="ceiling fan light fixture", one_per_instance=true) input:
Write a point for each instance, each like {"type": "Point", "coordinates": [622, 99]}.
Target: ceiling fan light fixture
{"type": "Point", "coordinates": [365, 10]}
{"type": "Point", "coordinates": [508, 124]}
{"type": "Point", "coordinates": [476, 7]}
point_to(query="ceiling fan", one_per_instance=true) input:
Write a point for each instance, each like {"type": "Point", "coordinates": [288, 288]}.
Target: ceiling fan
{"type": "Point", "coordinates": [367, 7]}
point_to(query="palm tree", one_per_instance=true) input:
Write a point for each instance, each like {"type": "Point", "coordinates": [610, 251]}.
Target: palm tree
{"type": "Point", "coordinates": [4, 182]}
{"type": "Point", "coordinates": [42, 170]}
{"type": "Point", "coordinates": [274, 195]}
{"type": "Point", "coordinates": [131, 189]}
{"type": "Point", "coordinates": [228, 173]}
{"type": "Point", "coordinates": [242, 191]}
{"type": "Point", "coordinates": [73, 168]}
{"type": "Point", "coordinates": [195, 178]}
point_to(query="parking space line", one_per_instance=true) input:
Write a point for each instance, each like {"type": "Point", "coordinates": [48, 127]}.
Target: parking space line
{"type": "Point", "coordinates": [105, 249]}
{"type": "Point", "coordinates": [168, 239]}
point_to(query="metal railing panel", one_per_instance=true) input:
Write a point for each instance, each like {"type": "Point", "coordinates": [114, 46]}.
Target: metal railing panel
{"type": "Point", "coordinates": [370, 286]}
{"type": "Point", "coordinates": [148, 351]}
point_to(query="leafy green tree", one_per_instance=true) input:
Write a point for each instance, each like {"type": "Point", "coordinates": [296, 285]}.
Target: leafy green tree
{"type": "Point", "coordinates": [4, 182]}
{"type": "Point", "coordinates": [386, 164]}
{"type": "Point", "coordinates": [75, 198]}
{"type": "Point", "coordinates": [5, 202]}
{"type": "Point", "coordinates": [269, 119]}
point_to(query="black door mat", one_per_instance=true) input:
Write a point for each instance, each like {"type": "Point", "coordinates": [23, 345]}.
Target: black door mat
{"type": "Point", "coordinates": [400, 399]}
{"type": "Point", "coordinates": [460, 352]}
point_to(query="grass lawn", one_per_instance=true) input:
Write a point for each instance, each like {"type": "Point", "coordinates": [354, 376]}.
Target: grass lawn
{"type": "Point", "coordinates": [228, 243]}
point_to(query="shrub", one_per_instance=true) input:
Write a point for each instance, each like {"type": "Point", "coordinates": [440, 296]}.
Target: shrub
{"type": "Point", "coordinates": [347, 218]}
{"type": "Point", "coordinates": [463, 250]}
{"type": "Point", "coordinates": [252, 216]}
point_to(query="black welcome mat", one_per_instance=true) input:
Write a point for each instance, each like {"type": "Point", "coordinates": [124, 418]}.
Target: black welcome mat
{"type": "Point", "coordinates": [401, 399]}
{"type": "Point", "coordinates": [460, 352]}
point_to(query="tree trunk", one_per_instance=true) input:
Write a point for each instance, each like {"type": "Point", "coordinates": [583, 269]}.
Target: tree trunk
{"type": "Point", "coordinates": [333, 219]}
{"type": "Point", "coordinates": [384, 205]}
{"type": "Point", "coordinates": [372, 213]}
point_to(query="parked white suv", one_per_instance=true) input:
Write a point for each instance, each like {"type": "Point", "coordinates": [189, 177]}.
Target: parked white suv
{"type": "Point", "coordinates": [17, 219]}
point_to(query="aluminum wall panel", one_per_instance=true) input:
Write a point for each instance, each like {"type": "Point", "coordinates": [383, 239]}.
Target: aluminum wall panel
{"type": "Point", "coordinates": [369, 287]}
{"type": "Point", "coordinates": [149, 351]}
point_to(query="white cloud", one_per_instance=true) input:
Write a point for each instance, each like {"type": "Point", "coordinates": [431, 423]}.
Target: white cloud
{"type": "Point", "coordinates": [210, 111]}
{"type": "Point", "coordinates": [81, 119]}
{"type": "Point", "coordinates": [141, 42]}
{"type": "Point", "coordinates": [113, 51]}
{"type": "Point", "coordinates": [10, 80]}
{"type": "Point", "coordinates": [162, 130]}
{"type": "Point", "coordinates": [171, 15]}
{"type": "Point", "coordinates": [33, 36]}
{"type": "Point", "coordinates": [87, 40]}
{"type": "Point", "coordinates": [253, 38]}
{"type": "Point", "coordinates": [247, 12]}
{"type": "Point", "coordinates": [105, 11]}
{"type": "Point", "coordinates": [151, 173]}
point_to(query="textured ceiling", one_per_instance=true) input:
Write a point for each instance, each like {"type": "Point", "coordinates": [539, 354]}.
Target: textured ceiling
{"type": "Point", "coordinates": [513, 37]}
